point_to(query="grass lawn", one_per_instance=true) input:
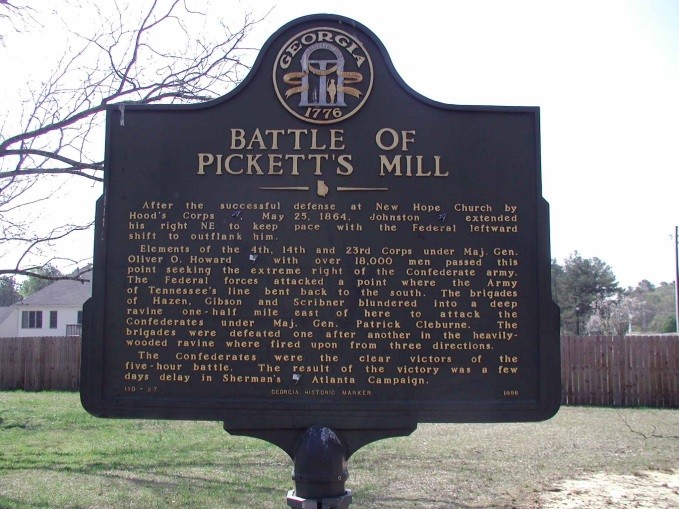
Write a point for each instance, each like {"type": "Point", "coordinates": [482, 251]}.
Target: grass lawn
{"type": "Point", "coordinates": [55, 455]}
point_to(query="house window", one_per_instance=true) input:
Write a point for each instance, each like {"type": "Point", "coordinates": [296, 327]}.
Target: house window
{"type": "Point", "coordinates": [31, 319]}
{"type": "Point", "coordinates": [80, 318]}
{"type": "Point", "coordinates": [53, 319]}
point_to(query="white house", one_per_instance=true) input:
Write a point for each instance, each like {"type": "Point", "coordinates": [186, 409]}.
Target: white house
{"type": "Point", "coordinates": [56, 310]}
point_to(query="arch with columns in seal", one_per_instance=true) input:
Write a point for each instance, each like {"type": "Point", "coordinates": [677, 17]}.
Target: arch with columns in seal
{"type": "Point", "coordinates": [323, 75]}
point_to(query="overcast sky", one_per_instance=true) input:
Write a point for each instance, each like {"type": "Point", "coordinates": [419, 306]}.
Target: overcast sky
{"type": "Point", "coordinates": [605, 74]}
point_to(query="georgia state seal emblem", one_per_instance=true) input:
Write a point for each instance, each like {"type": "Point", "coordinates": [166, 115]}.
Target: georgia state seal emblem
{"type": "Point", "coordinates": [323, 75]}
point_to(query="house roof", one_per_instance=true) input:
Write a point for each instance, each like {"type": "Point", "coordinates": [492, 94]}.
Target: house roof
{"type": "Point", "coordinates": [60, 293]}
{"type": "Point", "coordinates": [4, 313]}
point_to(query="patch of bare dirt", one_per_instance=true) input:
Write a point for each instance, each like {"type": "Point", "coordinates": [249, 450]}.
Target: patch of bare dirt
{"type": "Point", "coordinates": [648, 489]}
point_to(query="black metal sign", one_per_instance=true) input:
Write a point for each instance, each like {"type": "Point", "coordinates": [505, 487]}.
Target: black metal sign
{"type": "Point", "coordinates": [322, 246]}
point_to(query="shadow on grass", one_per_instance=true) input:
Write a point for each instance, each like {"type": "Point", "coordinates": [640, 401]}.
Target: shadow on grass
{"type": "Point", "coordinates": [443, 504]}
{"type": "Point", "coordinates": [236, 475]}
{"type": "Point", "coordinates": [12, 503]}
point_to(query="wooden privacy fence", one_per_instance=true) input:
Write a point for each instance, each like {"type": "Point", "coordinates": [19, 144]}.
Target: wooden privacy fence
{"type": "Point", "coordinates": [595, 370]}
{"type": "Point", "coordinates": [620, 370]}
{"type": "Point", "coordinates": [41, 363]}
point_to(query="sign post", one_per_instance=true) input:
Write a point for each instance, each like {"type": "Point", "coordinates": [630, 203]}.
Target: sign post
{"type": "Point", "coordinates": [322, 256]}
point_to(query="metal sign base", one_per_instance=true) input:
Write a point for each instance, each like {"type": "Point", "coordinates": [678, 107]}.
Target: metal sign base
{"type": "Point", "coordinates": [324, 503]}
{"type": "Point", "coordinates": [320, 455]}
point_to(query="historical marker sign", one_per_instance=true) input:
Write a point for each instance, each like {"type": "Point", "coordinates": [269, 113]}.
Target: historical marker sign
{"type": "Point", "coordinates": [322, 246]}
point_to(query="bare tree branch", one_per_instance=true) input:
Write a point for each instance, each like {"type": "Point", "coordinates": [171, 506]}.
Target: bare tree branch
{"type": "Point", "coordinates": [125, 57]}
{"type": "Point", "coordinates": [32, 273]}
{"type": "Point", "coordinates": [56, 234]}
{"type": "Point", "coordinates": [16, 18]}
{"type": "Point", "coordinates": [52, 171]}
